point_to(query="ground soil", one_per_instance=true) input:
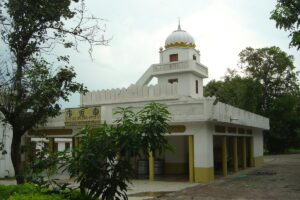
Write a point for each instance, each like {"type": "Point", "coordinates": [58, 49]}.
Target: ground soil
{"type": "Point", "coordinates": [278, 178]}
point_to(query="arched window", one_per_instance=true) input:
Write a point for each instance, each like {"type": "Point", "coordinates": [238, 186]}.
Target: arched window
{"type": "Point", "coordinates": [197, 90]}
{"type": "Point", "coordinates": [194, 57]}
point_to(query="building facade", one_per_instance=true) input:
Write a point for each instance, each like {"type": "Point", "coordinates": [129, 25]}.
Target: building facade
{"type": "Point", "coordinates": [210, 138]}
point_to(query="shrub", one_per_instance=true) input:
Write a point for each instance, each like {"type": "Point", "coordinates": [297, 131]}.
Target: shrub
{"type": "Point", "coordinates": [8, 190]}
{"type": "Point", "coordinates": [102, 163]}
{"type": "Point", "coordinates": [32, 192]}
{"type": "Point", "coordinates": [98, 153]}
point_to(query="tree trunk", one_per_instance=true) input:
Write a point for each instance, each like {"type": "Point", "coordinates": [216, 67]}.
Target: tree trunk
{"type": "Point", "coordinates": [16, 156]}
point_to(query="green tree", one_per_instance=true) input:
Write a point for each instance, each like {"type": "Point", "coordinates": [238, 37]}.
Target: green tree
{"type": "Point", "coordinates": [284, 124]}
{"type": "Point", "coordinates": [153, 119]}
{"type": "Point", "coordinates": [270, 88]}
{"type": "Point", "coordinates": [287, 17]}
{"type": "Point", "coordinates": [31, 84]}
{"type": "Point", "coordinates": [102, 164]}
{"type": "Point", "coordinates": [274, 69]}
{"type": "Point", "coordinates": [95, 165]}
{"type": "Point", "coordinates": [242, 92]}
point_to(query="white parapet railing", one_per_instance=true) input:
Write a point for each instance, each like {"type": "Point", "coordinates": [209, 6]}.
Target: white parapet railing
{"type": "Point", "coordinates": [189, 65]}
{"type": "Point", "coordinates": [131, 94]}
{"type": "Point", "coordinates": [202, 69]}
{"type": "Point", "coordinates": [170, 66]}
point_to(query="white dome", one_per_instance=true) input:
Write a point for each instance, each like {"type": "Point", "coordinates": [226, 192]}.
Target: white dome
{"type": "Point", "coordinates": [180, 38]}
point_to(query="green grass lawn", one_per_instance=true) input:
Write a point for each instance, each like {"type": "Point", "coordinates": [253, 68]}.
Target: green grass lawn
{"type": "Point", "coordinates": [33, 192]}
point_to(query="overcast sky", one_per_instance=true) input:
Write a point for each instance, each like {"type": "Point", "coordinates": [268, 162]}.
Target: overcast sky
{"type": "Point", "coordinates": [138, 28]}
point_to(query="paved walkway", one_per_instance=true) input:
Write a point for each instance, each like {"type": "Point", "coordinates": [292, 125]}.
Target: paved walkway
{"type": "Point", "coordinates": [144, 189]}
{"type": "Point", "coordinates": [278, 178]}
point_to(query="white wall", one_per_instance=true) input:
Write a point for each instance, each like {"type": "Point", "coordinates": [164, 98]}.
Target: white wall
{"type": "Point", "coordinates": [58, 121]}
{"type": "Point", "coordinates": [258, 142]}
{"type": "Point", "coordinates": [61, 143]}
{"type": "Point", "coordinates": [193, 86]}
{"type": "Point", "coordinates": [186, 83]}
{"type": "Point", "coordinates": [203, 146]}
{"type": "Point", "coordinates": [184, 53]}
{"type": "Point", "coordinates": [5, 161]}
{"type": "Point", "coordinates": [185, 110]}
{"type": "Point", "coordinates": [184, 87]}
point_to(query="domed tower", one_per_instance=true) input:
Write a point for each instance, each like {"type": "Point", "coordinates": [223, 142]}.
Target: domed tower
{"type": "Point", "coordinates": [179, 46]}
{"type": "Point", "coordinates": [179, 63]}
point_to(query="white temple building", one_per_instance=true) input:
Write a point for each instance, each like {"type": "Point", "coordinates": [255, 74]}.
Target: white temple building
{"type": "Point", "coordinates": [210, 138]}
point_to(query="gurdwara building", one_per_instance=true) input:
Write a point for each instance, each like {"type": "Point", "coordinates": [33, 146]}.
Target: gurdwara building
{"type": "Point", "coordinates": [209, 137]}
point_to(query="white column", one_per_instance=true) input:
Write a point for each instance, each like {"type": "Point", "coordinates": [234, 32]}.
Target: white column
{"type": "Point", "coordinates": [258, 143]}
{"type": "Point", "coordinates": [258, 147]}
{"type": "Point", "coordinates": [203, 154]}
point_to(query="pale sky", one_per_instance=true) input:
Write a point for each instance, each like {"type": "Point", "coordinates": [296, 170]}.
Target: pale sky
{"type": "Point", "coordinates": [138, 28]}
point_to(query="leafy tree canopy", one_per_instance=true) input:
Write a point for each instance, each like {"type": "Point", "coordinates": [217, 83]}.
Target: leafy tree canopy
{"type": "Point", "coordinates": [269, 86]}
{"type": "Point", "coordinates": [31, 84]}
{"type": "Point", "coordinates": [242, 92]}
{"type": "Point", "coordinates": [274, 69]}
{"type": "Point", "coordinates": [287, 17]}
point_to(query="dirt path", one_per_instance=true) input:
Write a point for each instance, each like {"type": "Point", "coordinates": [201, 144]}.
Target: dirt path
{"type": "Point", "coordinates": [278, 178]}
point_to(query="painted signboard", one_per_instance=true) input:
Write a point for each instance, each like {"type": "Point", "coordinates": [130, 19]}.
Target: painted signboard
{"type": "Point", "coordinates": [82, 116]}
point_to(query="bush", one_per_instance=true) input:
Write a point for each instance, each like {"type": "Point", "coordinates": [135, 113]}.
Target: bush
{"type": "Point", "coordinates": [32, 192]}
{"type": "Point", "coordinates": [98, 153]}
{"type": "Point", "coordinates": [101, 165]}
{"type": "Point", "coordinates": [8, 190]}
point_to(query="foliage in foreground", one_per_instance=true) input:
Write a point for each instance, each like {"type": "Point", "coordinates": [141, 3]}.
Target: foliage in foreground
{"type": "Point", "coordinates": [287, 16]}
{"type": "Point", "coordinates": [7, 191]}
{"type": "Point", "coordinates": [35, 196]}
{"type": "Point", "coordinates": [33, 192]}
{"type": "Point", "coordinates": [102, 164]}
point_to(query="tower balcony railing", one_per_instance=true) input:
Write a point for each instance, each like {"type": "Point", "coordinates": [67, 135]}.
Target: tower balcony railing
{"type": "Point", "coordinates": [170, 66]}
{"type": "Point", "coordinates": [181, 66]}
